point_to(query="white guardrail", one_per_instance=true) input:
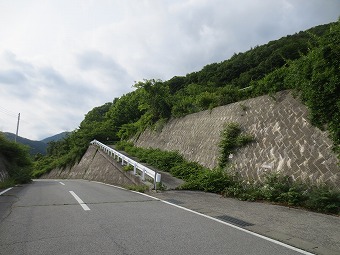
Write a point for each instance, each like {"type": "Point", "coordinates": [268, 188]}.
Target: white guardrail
{"type": "Point", "coordinates": [127, 161]}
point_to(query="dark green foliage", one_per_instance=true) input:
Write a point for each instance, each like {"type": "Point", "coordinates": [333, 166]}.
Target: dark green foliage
{"type": "Point", "coordinates": [155, 99]}
{"type": "Point", "coordinates": [215, 181]}
{"type": "Point", "coordinates": [243, 191]}
{"type": "Point", "coordinates": [186, 169]}
{"type": "Point", "coordinates": [323, 199]}
{"type": "Point", "coordinates": [17, 160]}
{"type": "Point", "coordinates": [122, 116]}
{"type": "Point", "coordinates": [316, 76]}
{"type": "Point", "coordinates": [162, 160]}
{"type": "Point", "coordinates": [44, 165]}
{"type": "Point", "coordinates": [231, 139]}
{"type": "Point", "coordinates": [275, 185]}
{"type": "Point", "coordinates": [307, 62]}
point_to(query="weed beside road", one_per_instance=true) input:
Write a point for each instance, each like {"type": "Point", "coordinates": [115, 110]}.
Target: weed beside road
{"type": "Point", "coordinates": [276, 187]}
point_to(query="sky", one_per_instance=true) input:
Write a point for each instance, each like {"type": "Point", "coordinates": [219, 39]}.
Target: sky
{"type": "Point", "coordinates": [61, 58]}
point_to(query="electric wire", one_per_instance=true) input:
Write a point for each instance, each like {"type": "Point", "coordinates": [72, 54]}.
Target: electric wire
{"type": "Point", "coordinates": [11, 114]}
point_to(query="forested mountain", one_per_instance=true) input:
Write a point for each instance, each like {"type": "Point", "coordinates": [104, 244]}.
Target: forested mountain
{"type": "Point", "coordinates": [307, 62]}
{"type": "Point", "coordinates": [56, 137]}
{"type": "Point", "coordinates": [36, 146]}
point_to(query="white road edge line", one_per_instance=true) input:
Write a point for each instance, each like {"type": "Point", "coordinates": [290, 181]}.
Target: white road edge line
{"type": "Point", "coordinates": [241, 229]}
{"type": "Point", "coordinates": [85, 207]}
{"type": "Point", "coordinates": [217, 220]}
{"type": "Point", "coordinates": [3, 192]}
{"type": "Point", "coordinates": [62, 183]}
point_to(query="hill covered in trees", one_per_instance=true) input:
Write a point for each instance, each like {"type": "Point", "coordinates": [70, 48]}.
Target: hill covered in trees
{"type": "Point", "coordinates": [306, 62]}
{"type": "Point", "coordinates": [36, 147]}
{"type": "Point", "coordinates": [15, 161]}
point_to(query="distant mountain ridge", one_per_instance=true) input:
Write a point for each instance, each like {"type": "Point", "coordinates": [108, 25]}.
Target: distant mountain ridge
{"type": "Point", "coordinates": [56, 137]}
{"type": "Point", "coordinates": [36, 146]}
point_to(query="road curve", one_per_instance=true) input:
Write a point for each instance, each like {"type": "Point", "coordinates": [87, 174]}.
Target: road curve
{"type": "Point", "coordinates": [82, 217]}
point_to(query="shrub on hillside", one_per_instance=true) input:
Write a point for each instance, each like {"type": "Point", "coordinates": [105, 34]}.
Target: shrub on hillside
{"type": "Point", "coordinates": [19, 161]}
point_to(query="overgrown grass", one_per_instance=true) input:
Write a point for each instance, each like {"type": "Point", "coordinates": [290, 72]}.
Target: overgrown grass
{"type": "Point", "coordinates": [7, 183]}
{"type": "Point", "coordinates": [162, 160]}
{"type": "Point", "coordinates": [128, 168]}
{"type": "Point", "coordinates": [139, 188]}
{"type": "Point", "coordinates": [276, 187]}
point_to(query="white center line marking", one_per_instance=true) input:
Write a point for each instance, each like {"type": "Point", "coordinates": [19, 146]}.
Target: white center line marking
{"type": "Point", "coordinates": [62, 183]}
{"type": "Point", "coordinates": [85, 207]}
{"type": "Point", "coordinates": [2, 192]}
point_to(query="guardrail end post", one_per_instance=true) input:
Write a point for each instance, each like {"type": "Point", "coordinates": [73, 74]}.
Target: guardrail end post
{"type": "Point", "coordinates": [158, 177]}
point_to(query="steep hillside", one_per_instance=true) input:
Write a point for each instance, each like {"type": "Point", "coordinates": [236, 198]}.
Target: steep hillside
{"type": "Point", "coordinates": [306, 62]}
{"type": "Point", "coordinates": [37, 146]}
{"type": "Point", "coordinates": [34, 146]}
{"type": "Point", "coordinates": [56, 137]}
{"type": "Point", "coordinates": [15, 163]}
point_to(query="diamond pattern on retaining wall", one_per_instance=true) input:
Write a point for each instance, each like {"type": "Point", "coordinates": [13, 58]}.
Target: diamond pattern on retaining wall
{"type": "Point", "coordinates": [285, 140]}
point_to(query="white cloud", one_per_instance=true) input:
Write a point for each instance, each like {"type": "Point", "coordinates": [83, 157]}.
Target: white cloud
{"type": "Point", "coordinates": [59, 59]}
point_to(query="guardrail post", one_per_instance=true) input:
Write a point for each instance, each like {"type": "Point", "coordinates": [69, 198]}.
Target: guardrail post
{"type": "Point", "coordinates": [143, 174]}
{"type": "Point", "coordinates": [158, 177]}
{"type": "Point", "coordinates": [134, 168]}
{"type": "Point", "coordinates": [154, 182]}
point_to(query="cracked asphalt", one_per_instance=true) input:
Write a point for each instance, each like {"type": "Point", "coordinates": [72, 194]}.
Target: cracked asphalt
{"type": "Point", "coordinates": [45, 218]}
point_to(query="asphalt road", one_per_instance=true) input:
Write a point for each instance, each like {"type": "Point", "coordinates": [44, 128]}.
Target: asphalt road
{"type": "Point", "coordinates": [82, 217]}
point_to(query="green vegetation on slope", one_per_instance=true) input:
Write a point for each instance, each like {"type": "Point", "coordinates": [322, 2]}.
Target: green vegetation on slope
{"type": "Point", "coordinates": [275, 188]}
{"type": "Point", "coordinates": [231, 139]}
{"type": "Point", "coordinates": [35, 147]}
{"type": "Point", "coordinates": [307, 62]}
{"type": "Point", "coordinates": [17, 160]}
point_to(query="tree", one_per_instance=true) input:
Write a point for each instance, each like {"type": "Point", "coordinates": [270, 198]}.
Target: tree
{"type": "Point", "coordinates": [156, 99]}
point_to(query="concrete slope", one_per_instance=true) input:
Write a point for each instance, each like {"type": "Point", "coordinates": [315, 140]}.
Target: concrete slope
{"type": "Point", "coordinates": [97, 166]}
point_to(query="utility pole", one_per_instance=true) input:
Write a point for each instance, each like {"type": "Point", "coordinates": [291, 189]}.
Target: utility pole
{"type": "Point", "coordinates": [16, 134]}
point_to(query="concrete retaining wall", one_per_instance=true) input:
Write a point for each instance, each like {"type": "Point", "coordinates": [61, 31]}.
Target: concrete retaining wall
{"type": "Point", "coordinates": [285, 140]}
{"type": "Point", "coordinates": [97, 166]}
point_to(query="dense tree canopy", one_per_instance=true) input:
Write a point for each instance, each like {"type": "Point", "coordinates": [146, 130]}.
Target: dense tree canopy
{"type": "Point", "coordinates": [306, 61]}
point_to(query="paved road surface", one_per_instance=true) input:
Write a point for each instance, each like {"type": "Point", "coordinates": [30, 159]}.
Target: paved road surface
{"type": "Point", "coordinates": [81, 217]}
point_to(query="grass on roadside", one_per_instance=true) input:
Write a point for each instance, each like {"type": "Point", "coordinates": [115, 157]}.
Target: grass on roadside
{"type": "Point", "coordinates": [139, 188]}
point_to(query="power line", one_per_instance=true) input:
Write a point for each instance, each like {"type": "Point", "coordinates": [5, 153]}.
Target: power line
{"type": "Point", "coordinates": [8, 112]}
{"type": "Point", "coordinates": [11, 114]}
